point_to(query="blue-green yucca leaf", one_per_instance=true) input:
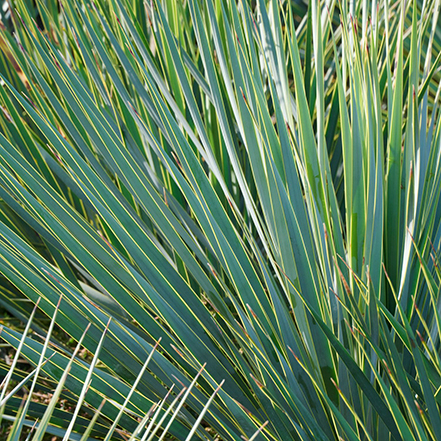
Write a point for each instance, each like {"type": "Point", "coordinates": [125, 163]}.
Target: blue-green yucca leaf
{"type": "Point", "coordinates": [394, 160]}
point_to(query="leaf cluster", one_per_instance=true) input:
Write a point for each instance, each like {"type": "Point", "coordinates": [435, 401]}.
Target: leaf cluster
{"type": "Point", "coordinates": [256, 184]}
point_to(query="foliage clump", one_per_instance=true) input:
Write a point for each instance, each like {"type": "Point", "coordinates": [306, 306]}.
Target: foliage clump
{"type": "Point", "coordinates": [231, 209]}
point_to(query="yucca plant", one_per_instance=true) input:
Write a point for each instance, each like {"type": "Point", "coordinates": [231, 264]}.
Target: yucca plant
{"type": "Point", "coordinates": [255, 183]}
